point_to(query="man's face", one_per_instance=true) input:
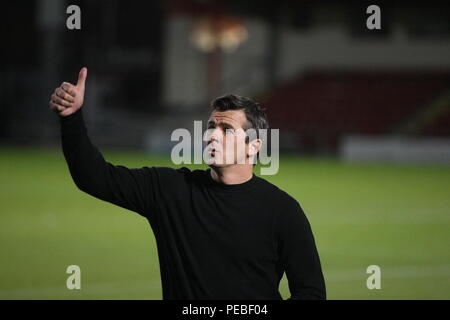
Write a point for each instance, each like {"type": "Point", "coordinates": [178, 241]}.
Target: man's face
{"type": "Point", "coordinates": [225, 138]}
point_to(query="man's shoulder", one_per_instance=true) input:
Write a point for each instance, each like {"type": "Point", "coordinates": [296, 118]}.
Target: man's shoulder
{"type": "Point", "coordinates": [278, 195]}
{"type": "Point", "coordinates": [287, 209]}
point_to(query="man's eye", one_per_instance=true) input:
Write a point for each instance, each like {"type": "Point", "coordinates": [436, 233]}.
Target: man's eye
{"type": "Point", "coordinates": [229, 131]}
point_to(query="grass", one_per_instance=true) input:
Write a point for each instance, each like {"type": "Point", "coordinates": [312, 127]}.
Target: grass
{"type": "Point", "coordinates": [393, 216]}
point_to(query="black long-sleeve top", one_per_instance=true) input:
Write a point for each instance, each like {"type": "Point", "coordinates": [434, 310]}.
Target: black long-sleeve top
{"type": "Point", "coordinates": [215, 241]}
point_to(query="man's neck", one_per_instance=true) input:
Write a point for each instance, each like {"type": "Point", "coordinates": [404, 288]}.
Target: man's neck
{"type": "Point", "coordinates": [235, 174]}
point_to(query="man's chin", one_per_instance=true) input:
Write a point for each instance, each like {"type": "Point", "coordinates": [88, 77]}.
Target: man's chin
{"type": "Point", "coordinates": [217, 164]}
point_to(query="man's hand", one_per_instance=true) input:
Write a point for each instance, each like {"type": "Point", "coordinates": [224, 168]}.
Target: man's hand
{"type": "Point", "coordinates": [68, 98]}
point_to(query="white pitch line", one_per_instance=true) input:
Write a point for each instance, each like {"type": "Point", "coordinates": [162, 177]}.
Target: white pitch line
{"type": "Point", "coordinates": [390, 272]}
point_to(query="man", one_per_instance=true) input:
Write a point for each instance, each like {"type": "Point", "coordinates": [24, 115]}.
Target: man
{"type": "Point", "coordinates": [221, 233]}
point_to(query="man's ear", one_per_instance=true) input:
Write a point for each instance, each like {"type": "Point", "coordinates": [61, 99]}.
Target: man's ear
{"type": "Point", "coordinates": [254, 147]}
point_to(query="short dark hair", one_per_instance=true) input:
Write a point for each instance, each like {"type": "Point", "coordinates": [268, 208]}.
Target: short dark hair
{"type": "Point", "coordinates": [255, 114]}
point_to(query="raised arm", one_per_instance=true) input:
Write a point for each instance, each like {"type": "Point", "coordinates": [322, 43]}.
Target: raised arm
{"type": "Point", "coordinates": [129, 188]}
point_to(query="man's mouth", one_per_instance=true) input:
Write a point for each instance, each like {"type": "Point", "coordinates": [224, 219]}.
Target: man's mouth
{"type": "Point", "coordinates": [212, 150]}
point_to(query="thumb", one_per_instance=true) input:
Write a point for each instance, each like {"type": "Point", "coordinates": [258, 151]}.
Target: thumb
{"type": "Point", "coordinates": [82, 78]}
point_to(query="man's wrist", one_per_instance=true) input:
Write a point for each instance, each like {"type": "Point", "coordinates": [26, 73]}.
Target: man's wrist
{"type": "Point", "coordinates": [73, 123]}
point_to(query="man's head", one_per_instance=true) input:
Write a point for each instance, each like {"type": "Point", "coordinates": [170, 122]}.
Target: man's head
{"type": "Point", "coordinates": [233, 135]}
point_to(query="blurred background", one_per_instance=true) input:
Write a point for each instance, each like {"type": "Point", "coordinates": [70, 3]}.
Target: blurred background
{"type": "Point", "coordinates": [364, 119]}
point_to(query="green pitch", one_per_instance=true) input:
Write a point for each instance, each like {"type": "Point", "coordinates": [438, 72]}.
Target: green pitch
{"type": "Point", "coordinates": [393, 216]}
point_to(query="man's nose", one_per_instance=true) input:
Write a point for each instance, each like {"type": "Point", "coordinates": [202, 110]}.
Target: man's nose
{"type": "Point", "coordinates": [215, 135]}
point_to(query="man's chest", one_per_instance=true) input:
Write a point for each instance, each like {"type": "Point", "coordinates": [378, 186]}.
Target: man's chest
{"type": "Point", "coordinates": [238, 225]}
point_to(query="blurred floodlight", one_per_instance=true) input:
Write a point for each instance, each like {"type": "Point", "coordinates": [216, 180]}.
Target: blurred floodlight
{"type": "Point", "coordinates": [223, 32]}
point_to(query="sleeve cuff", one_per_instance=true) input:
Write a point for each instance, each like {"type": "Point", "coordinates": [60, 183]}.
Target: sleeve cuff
{"type": "Point", "coordinates": [72, 124]}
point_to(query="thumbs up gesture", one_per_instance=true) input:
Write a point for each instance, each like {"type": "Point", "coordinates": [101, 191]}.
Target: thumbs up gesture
{"type": "Point", "coordinates": [68, 98]}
